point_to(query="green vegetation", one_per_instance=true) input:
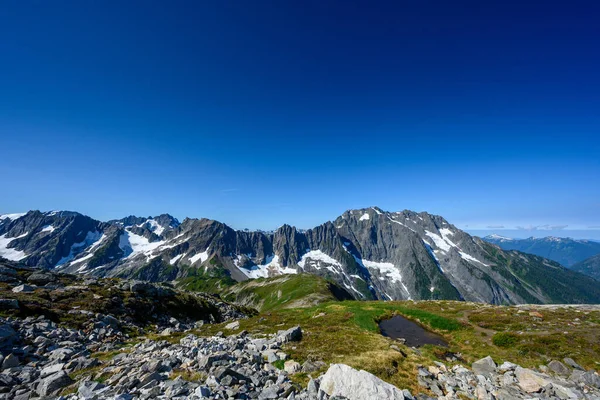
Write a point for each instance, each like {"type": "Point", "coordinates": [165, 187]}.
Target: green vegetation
{"type": "Point", "coordinates": [107, 297]}
{"type": "Point", "coordinates": [210, 280]}
{"type": "Point", "coordinates": [347, 332]}
{"type": "Point", "coordinates": [562, 286]}
{"type": "Point", "coordinates": [505, 339]}
{"type": "Point", "coordinates": [285, 291]}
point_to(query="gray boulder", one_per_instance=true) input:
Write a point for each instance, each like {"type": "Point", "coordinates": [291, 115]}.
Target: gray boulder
{"type": "Point", "coordinates": [90, 389]}
{"type": "Point", "coordinates": [559, 368]}
{"type": "Point", "coordinates": [529, 380]}
{"type": "Point", "coordinates": [291, 335]}
{"type": "Point", "coordinates": [10, 361]}
{"type": "Point", "coordinates": [571, 363]}
{"type": "Point", "coordinates": [52, 384]}
{"type": "Point", "coordinates": [23, 289]}
{"type": "Point", "coordinates": [41, 278]}
{"type": "Point", "coordinates": [7, 334]}
{"type": "Point", "coordinates": [486, 367]}
{"type": "Point", "coordinates": [344, 381]}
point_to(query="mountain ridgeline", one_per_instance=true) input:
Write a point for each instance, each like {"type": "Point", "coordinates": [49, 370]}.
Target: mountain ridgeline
{"type": "Point", "coordinates": [565, 251]}
{"type": "Point", "coordinates": [370, 253]}
{"type": "Point", "coordinates": [589, 266]}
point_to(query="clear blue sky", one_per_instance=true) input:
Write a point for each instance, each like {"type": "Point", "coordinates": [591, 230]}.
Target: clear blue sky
{"type": "Point", "coordinates": [260, 113]}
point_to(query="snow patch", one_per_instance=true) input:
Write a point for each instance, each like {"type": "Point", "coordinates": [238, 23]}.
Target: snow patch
{"type": "Point", "coordinates": [9, 253]}
{"type": "Point", "coordinates": [200, 256]}
{"type": "Point", "coordinates": [498, 237]}
{"type": "Point", "coordinates": [471, 258]}
{"type": "Point", "coordinates": [442, 243]}
{"type": "Point", "coordinates": [431, 252]}
{"type": "Point", "coordinates": [317, 255]}
{"type": "Point", "coordinates": [174, 259]}
{"type": "Point", "coordinates": [364, 217]}
{"type": "Point", "coordinates": [270, 268]}
{"type": "Point", "coordinates": [133, 244]}
{"type": "Point", "coordinates": [11, 217]}
{"type": "Point", "coordinates": [48, 228]}
{"type": "Point", "coordinates": [76, 248]}
{"type": "Point", "coordinates": [389, 270]}
{"type": "Point", "coordinates": [400, 223]}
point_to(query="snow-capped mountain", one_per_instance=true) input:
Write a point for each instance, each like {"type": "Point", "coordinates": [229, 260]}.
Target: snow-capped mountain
{"type": "Point", "coordinates": [565, 251]}
{"type": "Point", "coordinates": [370, 252]}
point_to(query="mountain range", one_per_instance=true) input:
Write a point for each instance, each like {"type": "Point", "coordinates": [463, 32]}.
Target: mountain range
{"type": "Point", "coordinates": [371, 253]}
{"type": "Point", "coordinates": [565, 251]}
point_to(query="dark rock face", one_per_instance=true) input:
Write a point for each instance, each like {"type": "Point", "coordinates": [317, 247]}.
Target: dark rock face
{"type": "Point", "coordinates": [371, 253]}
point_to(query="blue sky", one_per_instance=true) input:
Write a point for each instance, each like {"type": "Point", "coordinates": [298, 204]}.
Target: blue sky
{"type": "Point", "coordinates": [260, 113]}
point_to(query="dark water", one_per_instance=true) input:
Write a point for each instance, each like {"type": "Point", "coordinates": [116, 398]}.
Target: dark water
{"type": "Point", "coordinates": [401, 328]}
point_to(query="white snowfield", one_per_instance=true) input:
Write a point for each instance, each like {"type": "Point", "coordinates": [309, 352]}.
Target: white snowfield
{"type": "Point", "coordinates": [271, 267]}
{"type": "Point", "coordinates": [203, 256]}
{"type": "Point", "coordinates": [11, 253]}
{"type": "Point", "coordinates": [133, 244]}
{"type": "Point", "coordinates": [11, 217]}
{"type": "Point", "coordinates": [48, 228]}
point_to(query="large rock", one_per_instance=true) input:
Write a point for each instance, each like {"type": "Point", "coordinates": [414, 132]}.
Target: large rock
{"type": "Point", "coordinates": [7, 334]}
{"type": "Point", "coordinates": [10, 361]}
{"type": "Point", "coordinates": [90, 389]}
{"type": "Point", "coordinates": [559, 368]}
{"type": "Point", "coordinates": [41, 278]}
{"type": "Point", "coordinates": [53, 383]}
{"type": "Point", "coordinates": [23, 289]}
{"type": "Point", "coordinates": [529, 380]}
{"type": "Point", "coordinates": [9, 304]}
{"type": "Point", "coordinates": [486, 367]}
{"type": "Point", "coordinates": [291, 335]}
{"type": "Point", "coordinates": [291, 367]}
{"type": "Point", "coordinates": [342, 380]}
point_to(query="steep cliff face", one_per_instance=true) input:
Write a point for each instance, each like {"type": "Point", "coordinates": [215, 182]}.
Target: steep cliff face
{"type": "Point", "coordinates": [371, 253]}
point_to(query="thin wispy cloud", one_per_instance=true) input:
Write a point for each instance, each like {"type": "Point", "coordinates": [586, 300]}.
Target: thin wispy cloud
{"type": "Point", "coordinates": [229, 190]}
{"type": "Point", "coordinates": [495, 226]}
{"type": "Point", "coordinates": [545, 227]}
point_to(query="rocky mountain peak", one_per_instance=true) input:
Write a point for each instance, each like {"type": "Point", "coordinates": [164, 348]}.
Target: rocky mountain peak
{"type": "Point", "coordinates": [370, 252]}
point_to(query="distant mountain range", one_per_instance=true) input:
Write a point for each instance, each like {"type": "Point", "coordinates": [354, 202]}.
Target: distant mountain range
{"type": "Point", "coordinates": [371, 253]}
{"type": "Point", "coordinates": [565, 251]}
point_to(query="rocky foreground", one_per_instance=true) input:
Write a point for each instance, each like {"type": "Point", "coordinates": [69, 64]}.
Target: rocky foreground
{"type": "Point", "coordinates": [85, 338]}
{"type": "Point", "coordinates": [41, 359]}
{"type": "Point", "coordinates": [488, 381]}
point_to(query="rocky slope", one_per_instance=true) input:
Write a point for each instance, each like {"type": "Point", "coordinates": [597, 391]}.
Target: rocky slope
{"type": "Point", "coordinates": [371, 253]}
{"type": "Point", "coordinates": [565, 251]}
{"type": "Point", "coordinates": [590, 267]}
{"type": "Point", "coordinates": [507, 381]}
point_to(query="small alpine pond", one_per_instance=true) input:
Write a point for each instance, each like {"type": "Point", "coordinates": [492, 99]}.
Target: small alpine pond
{"type": "Point", "coordinates": [414, 334]}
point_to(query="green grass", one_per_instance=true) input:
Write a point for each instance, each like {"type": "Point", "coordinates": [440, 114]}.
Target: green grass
{"type": "Point", "coordinates": [347, 332]}
{"type": "Point", "coordinates": [505, 339]}
{"type": "Point", "coordinates": [286, 291]}
{"type": "Point", "coordinates": [211, 280]}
